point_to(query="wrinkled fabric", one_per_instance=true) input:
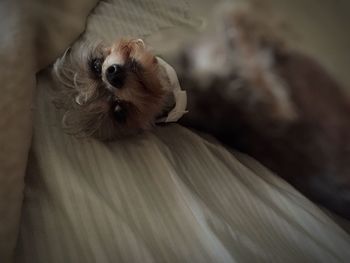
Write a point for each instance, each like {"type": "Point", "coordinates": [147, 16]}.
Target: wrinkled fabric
{"type": "Point", "coordinates": [32, 35]}
{"type": "Point", "coordinates": [165, 196]}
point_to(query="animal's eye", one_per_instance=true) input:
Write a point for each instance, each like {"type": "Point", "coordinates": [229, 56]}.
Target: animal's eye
{"type": "Point", "coordinates": [119, 112]}
{"type": "Point", "coordinates": [96, 66]}
{"type": "Point", "coordinates": [133, 65]}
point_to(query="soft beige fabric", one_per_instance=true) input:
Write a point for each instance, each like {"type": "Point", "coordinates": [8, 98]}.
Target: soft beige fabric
{"type": "Point", "coordinates": [17, 83]}
{"type": "Point", "coordinates": [28, 31]}
{"type": "Point", "coordinates": [165, 196]}
{"type": "Point", "coordinates": [320, 27]}
{"type": "Point", "coordinates": [57, 24]}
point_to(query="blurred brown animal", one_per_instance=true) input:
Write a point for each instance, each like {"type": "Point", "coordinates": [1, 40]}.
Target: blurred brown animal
{"type": "Point", "coordinates": [251, 91]}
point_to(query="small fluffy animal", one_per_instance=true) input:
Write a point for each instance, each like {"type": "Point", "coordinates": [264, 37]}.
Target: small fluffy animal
{"type": "Point", "coordinates": [112, 91]}
{"type": "Point", "coordinates": [254, 93]}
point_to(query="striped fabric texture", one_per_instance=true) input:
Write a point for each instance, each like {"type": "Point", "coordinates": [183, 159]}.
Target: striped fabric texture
{"type": "Point", "coordinates": [165, 196]}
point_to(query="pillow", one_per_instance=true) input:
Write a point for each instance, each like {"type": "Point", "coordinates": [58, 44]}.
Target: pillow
{"type": "Point", "coordinates": [33, 33]}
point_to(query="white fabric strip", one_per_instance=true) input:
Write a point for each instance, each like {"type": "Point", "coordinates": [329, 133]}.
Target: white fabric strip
{"type": "Point", "coordinates": [170, 82]}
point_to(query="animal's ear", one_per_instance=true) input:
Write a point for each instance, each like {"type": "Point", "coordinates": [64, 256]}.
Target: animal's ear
{"type": "Point", "coordinates": [140, 42]}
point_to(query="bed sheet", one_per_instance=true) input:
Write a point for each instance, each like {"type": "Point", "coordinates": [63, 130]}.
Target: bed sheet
{"type": "Point", "coordinates": [164, 196]}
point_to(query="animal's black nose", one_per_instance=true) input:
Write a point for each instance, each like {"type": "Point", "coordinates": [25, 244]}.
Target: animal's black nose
{"type": "Point", "coordinates": [115, 75]}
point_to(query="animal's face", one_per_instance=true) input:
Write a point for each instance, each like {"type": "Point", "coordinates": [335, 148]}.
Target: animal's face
{"type": "Point", "coordinates": [108, 92]}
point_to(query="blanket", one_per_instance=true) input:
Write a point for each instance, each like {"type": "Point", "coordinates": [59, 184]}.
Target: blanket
{"type": "Point", "coordinates": [165, 196]}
